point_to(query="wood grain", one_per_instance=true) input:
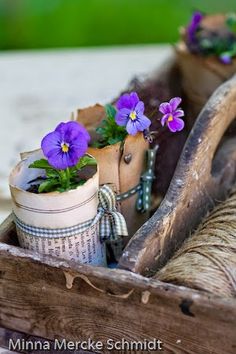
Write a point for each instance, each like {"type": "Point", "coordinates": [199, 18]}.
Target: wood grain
{"type": "Point", "coordinates": [6, 335]}
{"type": "Point", "coordinates": [34, 299]}
{"type": "Point", "coordinates": [203, 175]}
{"type": "Point", "coordinates": [8, 231]}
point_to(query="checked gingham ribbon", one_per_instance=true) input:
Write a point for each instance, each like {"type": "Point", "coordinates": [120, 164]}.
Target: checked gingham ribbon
{"type": "Point", "coordinates": [111, 223]}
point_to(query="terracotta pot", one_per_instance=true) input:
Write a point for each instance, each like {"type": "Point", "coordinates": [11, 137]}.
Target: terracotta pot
{"type": "Point", "coordinates": [51, 223]}
{"type": "Point", "coordinates": [120, 165]}
{"type": "Point", "coordinates": [201, 75]}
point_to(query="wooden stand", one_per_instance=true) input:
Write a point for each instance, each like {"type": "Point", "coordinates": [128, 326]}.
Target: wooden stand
{"type": "Point", "coordinates": [51, 298]}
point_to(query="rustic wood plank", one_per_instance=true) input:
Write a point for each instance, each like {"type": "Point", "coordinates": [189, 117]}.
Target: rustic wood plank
{"type": "Point", "coordinates": [196, 185]}
{"type": "Point", "coordinates": [5, 351]}
{"type": "Point", "coordinates": [6, 335]}
{"type": "Point", "coordinates": [8, 231]}
{"type": "Point", "coordinates": [104, 303]}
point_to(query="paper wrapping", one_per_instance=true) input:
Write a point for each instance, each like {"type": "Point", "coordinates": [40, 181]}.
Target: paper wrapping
{"type": "Point", "coordinates": [56, 211]}
{"type": "Point", "coordinates": [84, 247]}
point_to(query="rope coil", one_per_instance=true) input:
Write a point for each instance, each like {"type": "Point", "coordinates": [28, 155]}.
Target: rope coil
{"type": "Point", "coordinates": [207, 260]}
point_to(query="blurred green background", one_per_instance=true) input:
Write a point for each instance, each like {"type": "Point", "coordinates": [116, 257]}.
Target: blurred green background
{"type": "Point", "coordinates": [27, 24]}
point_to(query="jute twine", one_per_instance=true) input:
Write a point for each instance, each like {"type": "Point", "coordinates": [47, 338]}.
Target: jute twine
{"type": "Point", "coordinates": [207, 260]}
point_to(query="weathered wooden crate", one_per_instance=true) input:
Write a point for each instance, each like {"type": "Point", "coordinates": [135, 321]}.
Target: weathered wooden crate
{"type": "Point", "coordinates": [51, 298]}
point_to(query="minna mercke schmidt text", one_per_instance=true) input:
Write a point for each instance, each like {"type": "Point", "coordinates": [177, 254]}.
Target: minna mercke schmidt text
{"type": "Point", "coordinates": [63, 344]}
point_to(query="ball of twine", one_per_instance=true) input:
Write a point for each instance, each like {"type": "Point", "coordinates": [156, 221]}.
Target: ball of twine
{"type": "Point", "coordinates": [207, 260]}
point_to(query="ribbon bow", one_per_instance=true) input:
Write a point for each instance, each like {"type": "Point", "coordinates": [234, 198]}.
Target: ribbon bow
{"type": "Point", "coordinates": [112, 223]}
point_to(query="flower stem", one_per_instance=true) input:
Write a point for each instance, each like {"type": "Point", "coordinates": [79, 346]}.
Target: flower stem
{"type": "Point", "coordinates": [67, 178]}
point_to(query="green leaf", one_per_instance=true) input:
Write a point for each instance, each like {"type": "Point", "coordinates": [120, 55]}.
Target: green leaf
{"type": "Point", "coordinates": [98, 144]}
{"type": "Point", "coordinates": [85, 161]}
{"type": "Point", "coordinates": [110, 111]}
{"type": "Point", "coordinates": [74, 185]}
{"type": "Point", "coordinates": [109, 131]}
{"type": "Point", "coordinates": [231, 22]}
{"type": "Point", "coordinates": [112, 141]}
{"type": "Point", "coordinates": [42, 164]}
{"type": "Point", "coordinates": [61, 180]}
{"type": "Point", "coordinates": [48, 186]}
{"type": "Point", "coordinates": [100, 130]}
{"type": "Point", "coordinates": [60, 189]}
{"type": "Point", "coordinates": [206, 43]}
{"type": "Point", "coordinates": [52, 173]}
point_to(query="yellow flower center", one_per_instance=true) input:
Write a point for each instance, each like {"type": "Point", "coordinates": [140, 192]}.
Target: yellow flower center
{"type": "Point", "coordinates": [170, 118]}
{"type": "Point", "coordinates": [133, 115]}
{"type": "Point", "coordinates": [65, 147]}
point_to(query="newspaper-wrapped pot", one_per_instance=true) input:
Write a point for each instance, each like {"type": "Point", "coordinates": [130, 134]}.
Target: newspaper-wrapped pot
{"type": "Point", "coordinates": [123, 166]}
{"type": "Point", "coordinates": [57, 224]}
{"type": "Point", "coordinates": [201, 75]}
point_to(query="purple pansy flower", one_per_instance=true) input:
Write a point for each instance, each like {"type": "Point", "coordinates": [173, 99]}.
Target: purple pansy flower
{"type": "Point", "coordinates": [131, 113]}
{"type": "Point", "coordinates": [225, 58]}
{"type": "Point", "coordinates": [194, 25]}
{"type": "Point", "coordinates": [171, 114]}
{"type": "Point", "coordinates": [65, 145]}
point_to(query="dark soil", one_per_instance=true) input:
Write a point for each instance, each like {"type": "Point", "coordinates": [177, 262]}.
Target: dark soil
{"type": "Point", "coordinates": [33, 188]}
{"type": "Point", "coordinates": [83, 175]}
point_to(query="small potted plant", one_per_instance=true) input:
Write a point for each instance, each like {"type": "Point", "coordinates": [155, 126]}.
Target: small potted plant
{"type": "Point", "coordinates": [58, 207]}
{"type": "Point", "coordinates": [121, 137]}
{"type": "Point", "coordinates": [206, 56]}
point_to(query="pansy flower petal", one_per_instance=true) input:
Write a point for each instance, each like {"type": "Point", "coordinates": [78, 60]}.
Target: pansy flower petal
{"type": "Point", "coordinates": [78, 147]}
{"type": "Point", "coordinates": [54, 152]}
{"type": "Point", "coordinates": [122, 116]}
{"type": "Point", "coordinates": [61, 127]}
{"type": "Point", "coordinates": [176, 125]}
{"type": "Point", "coordinates": [74, 157]}
{"type": "Point", "coordinates": [139, 108]}
{"type": "Point", "coordinates": [134, 99]}
{"type": "Point", "coordinates": [178, 113]}
{"type": "Point", "coordinates": [58, 161]}
{"type": "Point", "coordinates": [143, 123]}
{"type": "Point", "coordinates": [174, 102]}
{"type": "Point", "coordinates": [67, 161]}
{"type": "Point", "coordinates": [70, 130]}
{"type": "Point", "coordinates": [131, 127]}
{"type": "Point", "coordinates": [55, 159]}
{"type": "Point", "coordinates": [128, 101]}
{"type": "Point", "coordinates": [51, 141]}
{"type": "Point", "coordinates": [124, 102]}
{"type": "Point", "coordinates": [225, 58]}
{"type": "Point", "coordinates": [165, 108]}
{"type": "Point", "coordinates": [164, 119]}
{"type": "Point", "coordinates": [194, 25]}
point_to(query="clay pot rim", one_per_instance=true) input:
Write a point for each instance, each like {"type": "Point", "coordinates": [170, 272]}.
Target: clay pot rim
{"type": "Point", "coordinates": [182, 49]}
